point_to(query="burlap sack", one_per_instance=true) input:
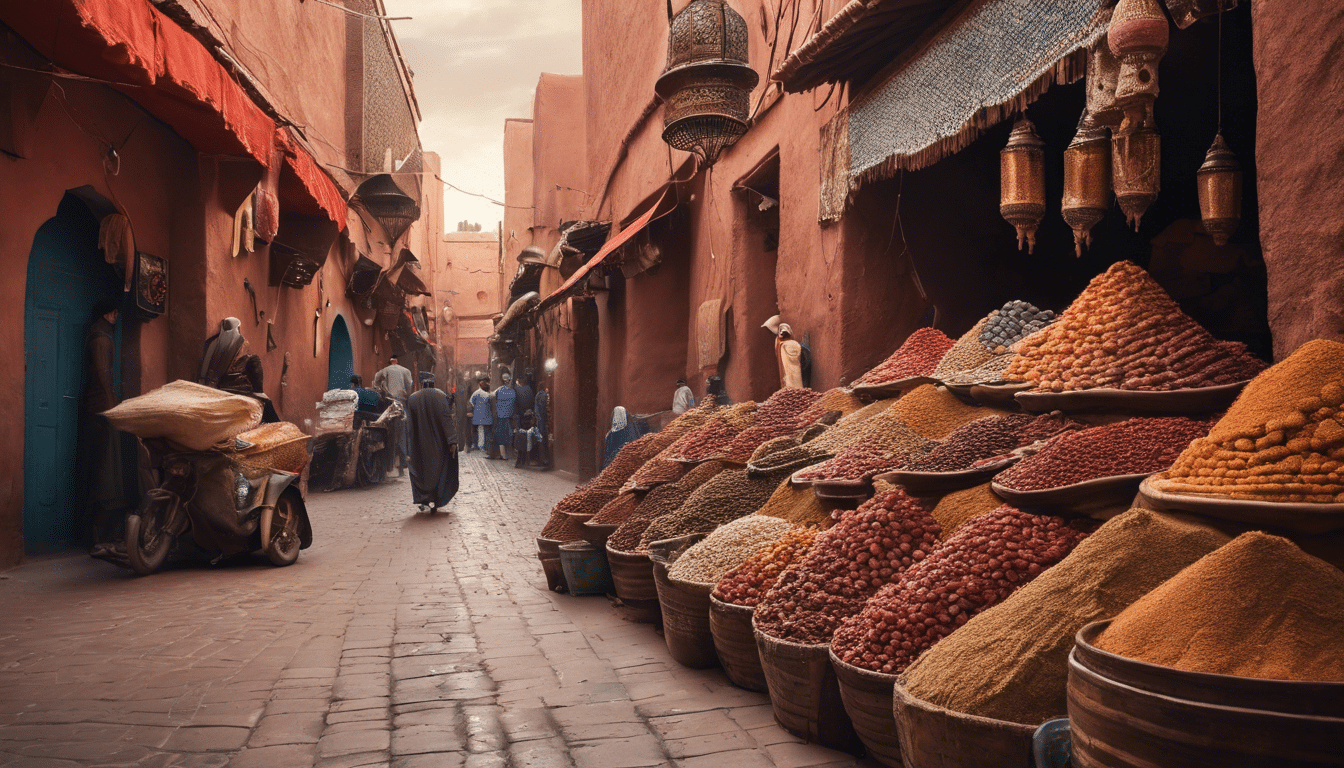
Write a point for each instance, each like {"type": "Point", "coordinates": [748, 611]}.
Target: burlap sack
{"type": "Point", "coordinates": [189, 414]}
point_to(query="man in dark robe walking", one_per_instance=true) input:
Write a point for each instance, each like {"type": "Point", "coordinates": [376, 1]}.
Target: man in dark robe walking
{"type": "Point", "coordinates": [433, 457]}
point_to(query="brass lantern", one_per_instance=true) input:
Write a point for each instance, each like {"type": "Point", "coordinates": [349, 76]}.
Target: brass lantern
{"type": "Point", "coordinates": [706, 88]}
{"type": "Point", "coordinates": [1087, 181]}
{"type": "Point", "coordinates": [385, 201]}
{"type": "Point", "coordinates": [1138, 36]}
{"type": "Point", "coordinates": [1220, 191]}
{"type": "Point", "coordinates": [1136, 168]}
{"type": "Point", "coordinates": [1022, 182]}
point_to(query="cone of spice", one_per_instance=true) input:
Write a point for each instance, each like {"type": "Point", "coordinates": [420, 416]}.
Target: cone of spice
{"type": "Point", "coordinates": [960, 507]}
{"type": "Point", "coordinates": [1011, 662]}
{"type": "Point", "coordinates": [726, 497]}
{"type": "Point", "coordinates": [1123, 331]}
{"type": "Point", "coordinates": [748, 582]}
{"type": "Point", "coordinates": [1282, 440]}
{"type": "Point", "coordinates": [918, 356]}
{"type": "Point", "coordinates": [1256, 607]}
{"type": "Point", "coordinates": [989, 438]}
{"type": "Point", "coordinates": [785, 412]}
{"type": "Point", "coordinates": [660, 501]}
{"type": "Point", "coordinates": [727, 547]}
{"type": "Point", "coordinates": [796, 504]}
{"type": "Point", "coordinates": [712, 439]}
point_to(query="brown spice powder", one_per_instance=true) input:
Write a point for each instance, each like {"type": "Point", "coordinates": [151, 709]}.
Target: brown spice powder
{"type": "Point", "coordinates": [960, 507]}
{"type": "Point", "coordinates": [798, 505]}
{"type": "Point", "coordinates": [1257, 607]}
{"type": "Point", "coordinates": [1011, 662]}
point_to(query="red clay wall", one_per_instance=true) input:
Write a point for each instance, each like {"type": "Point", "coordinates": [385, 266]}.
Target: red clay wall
{"type": "Point", "coordinates": [1300, 162]}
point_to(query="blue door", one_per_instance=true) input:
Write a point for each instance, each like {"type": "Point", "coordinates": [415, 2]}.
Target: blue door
{"type": "Point", "coordinates": [67, 277]}
{"type": "Point", "coordinates": [340, 356]}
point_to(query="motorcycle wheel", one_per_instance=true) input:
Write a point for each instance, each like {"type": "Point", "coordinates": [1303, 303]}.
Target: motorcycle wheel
{"type": "Point", "coordinates": [146, 541]}
{"type": "Point", "coordinates": [283, 548]}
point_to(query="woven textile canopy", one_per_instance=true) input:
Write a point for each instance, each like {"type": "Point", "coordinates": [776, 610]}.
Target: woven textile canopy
{"type": "Point", "coordinates": [992, 60]}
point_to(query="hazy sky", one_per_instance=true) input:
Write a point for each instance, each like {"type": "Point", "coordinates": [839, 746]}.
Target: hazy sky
{"type": "Point", "coordinates": [476, 62]}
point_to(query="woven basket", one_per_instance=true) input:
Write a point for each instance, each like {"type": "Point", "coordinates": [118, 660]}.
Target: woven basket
{"type": "Point", "coordinates": [735, 643]}
{"type": "Point", "coordinates": [868, 700]}
{"type": "Point", "coordinates": [805, 693]}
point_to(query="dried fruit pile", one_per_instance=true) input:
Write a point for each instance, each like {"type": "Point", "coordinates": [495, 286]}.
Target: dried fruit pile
{"type": "Point", "coordinates": [660, 501]}
{"type": "Point", "coordinates": [728, 496]}
{"type": "Point", "coordinates": [1012, 661]}
{"type": "Point", "coordinates": [1124, 331]}
{"type": "Point", "coordinates": [831, 441]}
{"type": "Point", "coordinates": [726, 548]}
{"type": "Point", "coordinates": [1132, 447]}
{"type": "Point", "coordinates": [784, 413]}
{"type": "Point", "coordinates": [918, 356]}
{"type": "Point", "coordinates": [979, 566]}
{"type": "Point", "coordinates": [869, 547]}
{"type": "Point", "coordinates": [711, 440]}
{"type": "Point", "coordinates": [627, 461]}
{"type": "Point", "coordinates": [748, 582]}
{"type": "Point", "coordinates": [617, 510]}
{"type": "Point", "coordinates": [988, 439]}
{"type": "Point", "coordinates": [1282, 440]}
{"type": "Point", "coordinates": [561, 527]}
{"type": "Point", "coordinates": [660, 469]}
{"type": "Point", "coordinates": [1015, 321]}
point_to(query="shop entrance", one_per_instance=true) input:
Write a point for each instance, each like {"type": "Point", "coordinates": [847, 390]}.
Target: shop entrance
{"type": "Point", "coordinates": [67, 277]}
{"type": "Point", "coordinates": [340, 356]}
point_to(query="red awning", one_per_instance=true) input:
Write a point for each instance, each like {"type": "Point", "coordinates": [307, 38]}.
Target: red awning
{"type": "Point", "coordinates": [170, 73]}
{"type": "Point", "coordinates": [655, 211]}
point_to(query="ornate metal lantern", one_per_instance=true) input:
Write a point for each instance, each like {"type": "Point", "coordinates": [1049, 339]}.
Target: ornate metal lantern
{"type": "Point", "coordinates": [1087, 181]}
{"type": "Point", "coordinates": [394, 209]}
{"type": "Point", "coordinates": [706, 88]}
{"type": "Point", "coordinates": [1138, 36]}
{"type": "Point", "coordinates": [1187, 12]}
{"type": "Point", "coordinates": [1220, 191]}
{"type": "Point", "coordinates": [1136, 168]}
{"type": "Point", "coordinates": [1022, 182]}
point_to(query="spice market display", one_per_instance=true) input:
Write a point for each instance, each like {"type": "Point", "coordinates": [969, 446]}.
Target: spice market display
{"type": "Point", "coordinates": [988, 439]}
{"type": "Point", "coordinates": [1282, 440]}
{"type": "Point", "coordinates": [918, 356]}
{"type": "Point", "coordinates": [1124, 332]}
{"type": "Point", "coordinates": [712, 439]}
{"type": "Point", "coordinates": [660, 501]}
{"type": "Point", "coordinates": [867, 548]}
{"type": "Point", "coordinates": [729, 495]}
{"type": "Point", "coordinates": [726, 548]}
{"type": "Point", "coordinates": [982, 564]}
{"type": "Point", "coordinates": [1257, 607]}
{"type": "Point", "coordinates": [784, 413]}
{"type": "Point", "coordinates": [959, 507]}
{"type": "Point", "coordinates": [747, 583]}
{"type": "Point", "coordinates": [990, 339]}
{"type": "Point", "coordinates": [1137, 446]}
{"type": "Point", "coordinates": [1011, 661]}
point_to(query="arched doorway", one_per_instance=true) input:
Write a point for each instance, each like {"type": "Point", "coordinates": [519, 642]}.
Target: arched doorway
{"type": "Point", "coordinates": [67, 277]}
{"type": "Point", "coordinates": [340, 356]}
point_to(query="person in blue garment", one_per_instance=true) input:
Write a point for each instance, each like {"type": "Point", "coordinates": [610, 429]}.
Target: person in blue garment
{"type": "Point", "coordinates": [369, 406]}
{"type": "Point", "coordinates": [623, 432]}
{"type": "Point", "coordinates": [506, 401]}
{"type": "Point", "coordinates": [482, 413]}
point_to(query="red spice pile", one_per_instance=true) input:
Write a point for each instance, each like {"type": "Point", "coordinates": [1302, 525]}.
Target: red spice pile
{"type": "Point", "coordinates": [988, 438]}
{"type": "Point", "coordinates": [918, 356]}
{"type": "Point", "coordinates": [783, 413]}
{"type": "Point", "coordinates": [1133, 447]}
{"type": "Point", "coordinates": [983, 563]}
{"type": "Point", "coordinates": [868, 547]}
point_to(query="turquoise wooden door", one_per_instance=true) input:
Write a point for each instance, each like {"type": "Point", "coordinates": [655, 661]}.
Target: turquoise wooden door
{"type": "Point", "coordinates": [66, 278]}
{"type": "Point", "coordinates": [340, 356]}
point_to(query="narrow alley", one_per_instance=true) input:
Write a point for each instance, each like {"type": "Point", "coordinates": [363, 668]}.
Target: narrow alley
{"type": "Point", "coordinates": [397, 639]}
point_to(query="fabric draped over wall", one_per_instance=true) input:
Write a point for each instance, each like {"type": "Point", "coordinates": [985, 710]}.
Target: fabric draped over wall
{"type": "Point", "coordinates": [172, 75]}
{"type": "Point", "coordinates": [991, 61]}
{"type": "Point", "coordinates": [834, 167]}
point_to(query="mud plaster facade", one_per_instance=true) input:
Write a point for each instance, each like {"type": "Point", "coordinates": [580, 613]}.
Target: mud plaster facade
{"type": "Point", "coordinates": [182, 205]}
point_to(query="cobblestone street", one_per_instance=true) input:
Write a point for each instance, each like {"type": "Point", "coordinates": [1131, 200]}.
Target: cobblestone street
{"type": "Point", "coordinates": [397, 639]}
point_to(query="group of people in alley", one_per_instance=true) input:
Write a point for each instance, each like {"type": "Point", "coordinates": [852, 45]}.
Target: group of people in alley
{"type": "Point", "coordinates": [513, 418]}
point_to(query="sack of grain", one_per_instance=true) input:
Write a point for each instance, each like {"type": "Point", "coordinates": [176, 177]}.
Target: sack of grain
{"type": "Point", "coordinates": [188, 414]}
{"type": "Point", "coordinates": [336, 412]}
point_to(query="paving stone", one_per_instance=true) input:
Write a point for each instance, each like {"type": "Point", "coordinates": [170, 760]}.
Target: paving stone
{"type": "Point", "coordinates": [295, 728]}
{"type": "Point", "coordinates": [289, 756]}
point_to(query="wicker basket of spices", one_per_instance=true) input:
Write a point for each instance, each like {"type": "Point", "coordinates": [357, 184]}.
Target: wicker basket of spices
{"type": "Point", "coordinates": [805, 694]}
{"type": "Point", "coordinates": [735, 644]}
{"type": "Point", "coordinates": [867, 696]}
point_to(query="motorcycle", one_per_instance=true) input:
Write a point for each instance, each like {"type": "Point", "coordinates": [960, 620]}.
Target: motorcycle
{"type": "Point", "coordinates": [214, 504]}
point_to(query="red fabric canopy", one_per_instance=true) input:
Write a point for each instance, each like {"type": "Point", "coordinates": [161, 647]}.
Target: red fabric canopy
{"type": "Point", "coordinates": [168, 72]}
{"type": "Point", "coordinates": [610, 247]}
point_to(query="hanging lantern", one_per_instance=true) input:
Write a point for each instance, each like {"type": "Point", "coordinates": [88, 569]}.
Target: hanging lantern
{"type": "Point", "coordinates": [1136, 168]}
{"type": "Point", "coordinates": [1103, 74]}
{"type": "Point", "coordinates": [1022, 182]}
{"type": "Point", "coordinates": [394, 209]}
{"type": "Point", "coordinates": [1137, 36]}
{"type": "Point", "coordinates": [1220, 191]}
{"type": "Point", "coordinates": [706, 88]}
{"type": "Point", "coordinates": [1087, 181]}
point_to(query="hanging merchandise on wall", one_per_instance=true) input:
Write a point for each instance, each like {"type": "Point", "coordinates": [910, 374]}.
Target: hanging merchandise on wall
{"type": "Point", "coordinates": [151, 285]}
{"type": "Point", "coordinates": [1022, 182]}
{"type": "Point", "coordinates": [710, 336]}
{"type": "Point", "coordinates": [244, 227]}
